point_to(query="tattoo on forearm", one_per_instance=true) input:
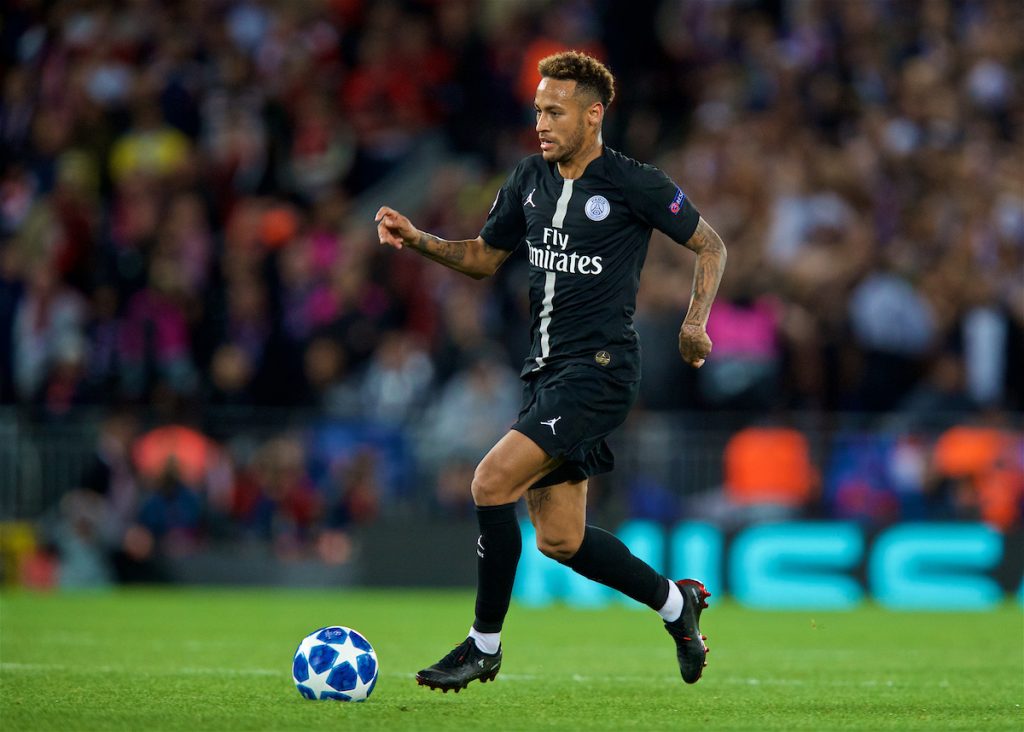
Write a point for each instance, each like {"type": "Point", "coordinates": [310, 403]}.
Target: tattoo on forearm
{"type": "Point", "coordinates": [473, 257]}
{"type": "Point", "coordinates": [707, 273]}
{"type": "Point", "coordinates": [440, 250]}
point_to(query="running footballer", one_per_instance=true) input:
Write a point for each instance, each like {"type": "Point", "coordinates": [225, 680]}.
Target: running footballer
{"type": "Point", "coordinates": [584, 214]}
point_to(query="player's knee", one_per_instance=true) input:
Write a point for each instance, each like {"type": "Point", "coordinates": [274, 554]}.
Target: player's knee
{"type": "Point", "coordinates": [559, 547]}
{"type": "Point", "coordinates": [491, 486]}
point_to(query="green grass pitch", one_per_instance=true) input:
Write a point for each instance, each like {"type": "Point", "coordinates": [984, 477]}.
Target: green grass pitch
{"type": "Point", "coordinates": [199, 659]}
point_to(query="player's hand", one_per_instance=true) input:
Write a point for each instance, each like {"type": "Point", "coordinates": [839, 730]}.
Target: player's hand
{"type": "Point", "coordinates": [394, 229]}
{"type": "Point", "coordinates": [694, 344]}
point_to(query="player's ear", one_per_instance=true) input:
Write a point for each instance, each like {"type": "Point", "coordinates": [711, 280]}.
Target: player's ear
{"type": "Point", "coordinates": [595, 114]}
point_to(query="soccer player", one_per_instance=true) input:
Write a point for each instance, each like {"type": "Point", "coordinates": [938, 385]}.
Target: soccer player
{"type": "Point", "coordinates": [585, 214]}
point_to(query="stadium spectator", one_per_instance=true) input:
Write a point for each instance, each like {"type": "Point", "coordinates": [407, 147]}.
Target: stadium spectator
{"type": "Point", "coordinates": [472, 412]}
{"type": "Point", "coordinates": [939, 397]}
{"type": "Point", "coordinates": [48, 329]}
{"type": "Point", "coordinates": [150, 147]}
{"type": "Point", "coordinates": [287, 508]}
{"type": "Point", "coordinates": [876, 479]}
{"type": "Point", "coordinates": [744, 374]}
{"type": "Point", "coordinates": [111, 472]}
{"type": "Point", "coordinates": [395, 386]}
{"type": "Point", "coordinates": [895, 327]}
{"type": "Point", "coordinates": [78, 538]}
{"type": "Point", "coordinates": [354, 497]}
{"type": "Point", "coordinates": [170, 516]}
{"type": "Point", "coordinates": [326, 368]}
{"type": "Point", "coordinates": [155, 349]}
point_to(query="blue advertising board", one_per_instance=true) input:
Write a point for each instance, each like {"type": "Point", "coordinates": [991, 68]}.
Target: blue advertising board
{"type": "Point", "coordinates": [821, 565]}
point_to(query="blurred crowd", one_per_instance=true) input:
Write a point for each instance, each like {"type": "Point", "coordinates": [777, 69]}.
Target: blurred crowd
{"type": "Point", "coordinates": [187, 188]}
{"type": "Point", "coordinates": [176, 205]}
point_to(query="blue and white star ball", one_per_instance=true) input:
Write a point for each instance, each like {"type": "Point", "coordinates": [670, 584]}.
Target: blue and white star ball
{"type": "Point", "coordinates": [335, 663]}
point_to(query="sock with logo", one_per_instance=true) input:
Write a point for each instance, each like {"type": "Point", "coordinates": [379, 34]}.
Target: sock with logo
{"type": "Point", "coordinates": [497, 550]}
{"type": "Point", "coordinates": [603, 558]}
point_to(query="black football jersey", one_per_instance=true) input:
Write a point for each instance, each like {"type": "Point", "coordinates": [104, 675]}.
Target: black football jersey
{"type": "Point", "coordinates": [586, 240]}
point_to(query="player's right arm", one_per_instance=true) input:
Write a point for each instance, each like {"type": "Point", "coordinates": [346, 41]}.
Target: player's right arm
{"type": "Point", "coordinates": [473, 257]}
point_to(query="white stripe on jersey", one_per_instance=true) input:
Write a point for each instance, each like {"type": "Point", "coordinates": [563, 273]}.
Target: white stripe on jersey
{"type": "Point", "coordinates": [563, 204]}
{"type": "Point", "coordinates": [549, 277]}
{"type": "Point", "coordinates": [545, 317]}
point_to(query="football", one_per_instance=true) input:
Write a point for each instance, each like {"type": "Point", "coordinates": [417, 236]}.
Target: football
{"type": "Point", "coordinates": [335, 663]}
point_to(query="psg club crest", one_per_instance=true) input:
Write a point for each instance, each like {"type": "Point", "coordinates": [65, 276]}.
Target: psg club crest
{"type": "Point", "coordinates": [597, 208]}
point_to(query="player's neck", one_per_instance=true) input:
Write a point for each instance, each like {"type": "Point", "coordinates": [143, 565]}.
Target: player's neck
{"type": "Point", "coordinates": [574, 168]}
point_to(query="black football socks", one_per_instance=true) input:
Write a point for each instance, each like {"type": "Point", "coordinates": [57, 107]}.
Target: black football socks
{"type": "Point", "coordinates": [498, 550]}
{"type": "Point", "coordinates": [602, 557]}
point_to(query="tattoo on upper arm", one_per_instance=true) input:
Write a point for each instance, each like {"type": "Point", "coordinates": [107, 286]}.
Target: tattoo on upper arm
{"type": "Point", "coordinates": [703, 237]}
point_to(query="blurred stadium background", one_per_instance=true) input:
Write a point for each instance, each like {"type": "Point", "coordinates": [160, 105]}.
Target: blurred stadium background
{"type": "Point", "coordinates": [210, 372]}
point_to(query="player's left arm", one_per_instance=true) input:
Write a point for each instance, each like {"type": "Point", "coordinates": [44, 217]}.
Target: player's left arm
{"type": "Point", "coordinates": [659, 202]}
{"type": "Point", "coordinates": [694, 343]}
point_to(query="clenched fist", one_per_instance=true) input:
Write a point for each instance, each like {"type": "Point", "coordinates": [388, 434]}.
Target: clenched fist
{"type": "Point", "coordinates": [694, 344]}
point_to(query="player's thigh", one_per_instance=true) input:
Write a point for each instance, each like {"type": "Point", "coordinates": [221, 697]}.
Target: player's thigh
{"type": "Point", "coordinates": [510, 467]}
{"type": "Point", "coordinates": [559, 516]}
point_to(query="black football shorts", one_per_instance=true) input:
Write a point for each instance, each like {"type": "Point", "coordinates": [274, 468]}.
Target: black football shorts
{"type": "Point", "coordinates": [569, 413]}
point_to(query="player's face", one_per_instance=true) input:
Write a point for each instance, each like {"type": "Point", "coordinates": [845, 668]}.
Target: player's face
{"type": "Point", "coordinates": [561, 120]}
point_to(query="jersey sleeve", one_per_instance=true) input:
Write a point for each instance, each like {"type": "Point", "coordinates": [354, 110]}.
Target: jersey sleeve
{"type": "Point", "coordinates": [660, 203]}
{"type": "Point", "coordinates": [505, 227]}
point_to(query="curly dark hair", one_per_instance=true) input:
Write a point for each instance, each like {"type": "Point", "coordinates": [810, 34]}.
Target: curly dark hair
{"type": "Point", "coordinates": [591, 76]}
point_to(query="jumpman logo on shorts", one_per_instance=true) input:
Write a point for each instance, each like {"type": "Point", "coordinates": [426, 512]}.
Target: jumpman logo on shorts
{"type": "Point", "coordinates": [551, 423]}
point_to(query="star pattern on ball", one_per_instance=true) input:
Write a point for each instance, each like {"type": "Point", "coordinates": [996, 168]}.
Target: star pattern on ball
{"type": "Point", "coordinates": [335, 663]}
